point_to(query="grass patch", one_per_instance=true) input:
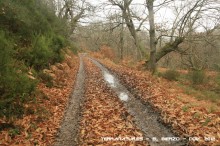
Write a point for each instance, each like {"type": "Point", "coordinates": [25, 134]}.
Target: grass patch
{"type": "Point", "coordinates": [209, 95]}
{"type": "Point", "coordinates": [13, 132]}
{"type": "Point", "coordinates": [171, 75]}
{"type": "Point", "coordinates": [207, 120]}
{"type": "Point", "coordinates": [201, 95]}
{"type": "Point", "coordinates": [196, 116]}
{"type": "Point", "coordinates": [188, 89]}
{"type": "Point", "coordinates": [43, 114]}
{"type": "Point", "coordinates": [212, 109]}
{"type": "Point", "coordinates": [197, 83]}
{"type": "Point", "coordinates": [217, 80]}
{"type": "Point", "coordinates": [185, 108]}
{"type": "Point", "coordinates": [197, 77]}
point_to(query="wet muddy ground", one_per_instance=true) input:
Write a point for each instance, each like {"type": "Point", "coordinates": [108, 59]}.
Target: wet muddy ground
{"type": "Point", "coordinates": [144, 117]}
{"type": "Point", "coordinates": [69, 132]}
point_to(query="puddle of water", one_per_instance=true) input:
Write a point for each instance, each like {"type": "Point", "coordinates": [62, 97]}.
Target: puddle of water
{"type": "Point", "coordinates": [145, 117]}
{"type": "Point", "coordinates": [112, 82]}
{"type": "Point", "coordinates": [123, 96]}
{"type": "Point", "coordinates": [110, 79]}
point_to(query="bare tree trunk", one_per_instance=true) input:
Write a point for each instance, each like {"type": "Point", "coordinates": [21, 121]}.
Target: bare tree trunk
{"type": "Point", "coordinates": [137, 50]}
{"type": "Point", "coordinates": [152, 61]}
{"type": "Point", "coordinates": [124, 5]}
{"type": "Point", "coordinates": [122, 39]}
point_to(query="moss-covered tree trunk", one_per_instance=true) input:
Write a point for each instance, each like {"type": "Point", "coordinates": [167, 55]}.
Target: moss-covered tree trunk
{"type": "Point", "coordinates": [169, 47]}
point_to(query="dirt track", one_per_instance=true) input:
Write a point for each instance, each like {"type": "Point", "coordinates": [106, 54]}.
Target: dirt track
{"type": "Point", "coordinates": [108, 110]}
{"type": "Point", "coordinates": [69, 131]}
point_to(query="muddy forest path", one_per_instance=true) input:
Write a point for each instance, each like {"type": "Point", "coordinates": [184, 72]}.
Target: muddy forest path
{"type": "Point", "coordinates": [102, 112]}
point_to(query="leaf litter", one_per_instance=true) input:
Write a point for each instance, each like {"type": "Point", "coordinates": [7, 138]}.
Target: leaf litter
{"type": "Point", "coordinates": [176, 108]}
{"type": "Point", "coordinates": [69, 131]}
{"type": "Point", "coordinates": [104, 115]}
{"type": "Point", "coordinates": [144, 116]}
{"type": "Point", "coordinates": [41, 127]}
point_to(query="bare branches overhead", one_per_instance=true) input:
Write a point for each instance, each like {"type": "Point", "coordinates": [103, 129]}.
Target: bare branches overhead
{"type": "Point", "coordinates": [74, 10]}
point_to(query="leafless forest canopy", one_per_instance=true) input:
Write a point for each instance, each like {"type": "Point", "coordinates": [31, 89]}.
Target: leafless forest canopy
{"type": "Point", "coordinates": [170, 33]}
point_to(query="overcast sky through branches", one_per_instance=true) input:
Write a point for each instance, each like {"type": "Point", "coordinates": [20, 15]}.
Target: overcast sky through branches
{"type": "Point", "coordinates": [164, 14]}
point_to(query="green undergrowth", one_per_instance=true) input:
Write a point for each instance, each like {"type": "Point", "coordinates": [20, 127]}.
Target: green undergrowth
{"type": "Point", "coordinates": [196, 83]}
{"type": "Point", "coordinates": [171, 75]}
{"type": "Point", "coordinates": [32, 37]}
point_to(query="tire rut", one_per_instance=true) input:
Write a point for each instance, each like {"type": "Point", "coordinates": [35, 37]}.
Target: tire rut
{"type": "Point", "coordinates": [145, 117]}
{"type": "Point", "coordinates": [68, 133]}
{"type": "Point", "coordinates": [105, 120]}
